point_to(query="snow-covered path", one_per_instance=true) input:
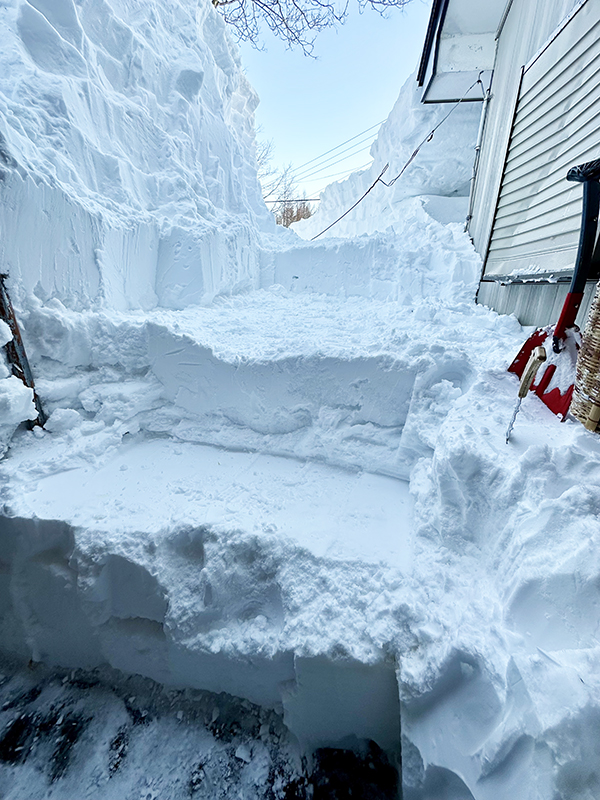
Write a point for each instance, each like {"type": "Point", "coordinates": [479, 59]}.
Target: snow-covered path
{"type": "Point", "coordinates": [306, 417]}
{"type": "Point", "coordinates": [153, 485]}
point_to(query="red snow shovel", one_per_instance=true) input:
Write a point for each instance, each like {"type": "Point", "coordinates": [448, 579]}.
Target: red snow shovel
{"type": "Point", "coordinates": [561, 343]}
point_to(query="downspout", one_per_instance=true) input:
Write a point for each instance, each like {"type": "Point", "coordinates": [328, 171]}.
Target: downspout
{"type": "Point", "coordinates": [503, 20]}
{"type": "Point", "coordinates": [482, 119]}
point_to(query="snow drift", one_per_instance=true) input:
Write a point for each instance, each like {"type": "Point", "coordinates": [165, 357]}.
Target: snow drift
{"type": "Point", "coordinates": [126, 144]}
{"type": "Point", "coordinates": [439, 175]}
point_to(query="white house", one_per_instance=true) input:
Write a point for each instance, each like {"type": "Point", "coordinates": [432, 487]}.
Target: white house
{"type": "Point", "coordinates": [539, 61]}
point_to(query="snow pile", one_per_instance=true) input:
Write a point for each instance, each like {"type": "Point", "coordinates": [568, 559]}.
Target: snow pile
{"type": "Point", "coordinates": [299, 495]}
{"type": "Point", "coordinates": [16, 400]}
{"type": "Point", "coordinates": [247, 550]}
{"type": "Point", "coordinates": [513, 529]}
{"type": "Point", "coordinates": [227, 570]}
{"type": "Point", "coordinates": [127, 150]}
{"type": "Point", "coordinates": [422, 260]}
{"type": "Point", "coordinates": [440, 174]}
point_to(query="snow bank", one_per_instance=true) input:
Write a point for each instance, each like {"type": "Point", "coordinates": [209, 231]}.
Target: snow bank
{"type": "Point", "coordinates": [419, 258]}
{"type": "Point", "coordinates": [126, 144]}
{"type": "Point", "coordinates": [221, 569]}
{"type": "Point", "coordinates": [196, 588]}
{"type": "Point", "coordinates": [300, 495]}
{"type": "Point", "coordinates": [440, 174]}
{"type": "Point", "coordinates": [514, 712]}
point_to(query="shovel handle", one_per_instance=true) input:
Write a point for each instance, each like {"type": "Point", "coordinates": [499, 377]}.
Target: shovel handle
{"type": "Point", "coordinates": [589, 175]}
{"type": "Point", "coordinates": [567, 318]}
{"type": "Point", "coordinates": [15, 349]}
{"type": "Point", "coordinates": [536, 359]}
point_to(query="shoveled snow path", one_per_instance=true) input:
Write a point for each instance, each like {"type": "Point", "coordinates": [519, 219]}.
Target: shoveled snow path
{"type": "Point", "coordinates": [156, 485]}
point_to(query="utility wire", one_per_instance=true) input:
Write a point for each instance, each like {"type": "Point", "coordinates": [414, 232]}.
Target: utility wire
{"type": "Point", "coordinates": [318, 158]}
{"type": "Point", "coordinates": [300, 200]}
{"type": "Point", "coordinates": [372, 186]}
{"type": "Point", "coordinates": [325, 177]}
{"type": "Point", "coordinates": [325, 164]}
{"type": "Point", "coordinates": [317, 168]}
{"type": "Point", "coordinates": [428, 138]}
{"type": "Point", "coordinates": [329, 166]}
{"type": "Point", "coordinates": [341, 172]}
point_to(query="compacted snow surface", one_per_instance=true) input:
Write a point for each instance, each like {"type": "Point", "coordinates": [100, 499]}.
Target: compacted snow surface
{"type": "Point", "coordinates": [271, 542]}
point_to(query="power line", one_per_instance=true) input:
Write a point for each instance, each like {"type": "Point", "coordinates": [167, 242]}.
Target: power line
{"type": "Point", "coordinates": [329, 166]}
{"type": "Point", "coordinates": [324, 178]}
{"type": "Point", "coordinates": [318, 158]}
{"type": "Point", "coordinates": [372, 186]}
{"type": "Point", "coordinates": [317, 199]}
{"type": "Point", "coordinates": [414, 154]}
{"type": "Point", "coordinates": [301, 200]}
{"type": "Point", "coordinates": [309, 176]}
{"type": "Point", "coordinates": [325, 164]}
{"type": "Point", "coordinates": [342, 172]}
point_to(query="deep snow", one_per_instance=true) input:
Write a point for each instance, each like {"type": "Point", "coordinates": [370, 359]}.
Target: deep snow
{"type": "Point", "coordinates": [272, 469]}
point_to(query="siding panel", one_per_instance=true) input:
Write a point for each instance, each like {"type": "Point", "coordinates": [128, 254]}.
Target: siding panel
{"type": "Point", "coordinates": [556, 125]}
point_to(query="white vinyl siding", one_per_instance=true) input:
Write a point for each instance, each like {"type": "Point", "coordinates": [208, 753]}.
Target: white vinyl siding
{"type": "Point", "coordinates": [556, 126]}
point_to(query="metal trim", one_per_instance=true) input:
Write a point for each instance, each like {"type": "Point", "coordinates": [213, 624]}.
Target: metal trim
{"type": "Point", "coordinates": [501, 183]}
{"type": "Point", "coordinates": [438, 36]}
{"type": "Point", "coordinates": [505, 14]}
{"type": "Point", "coordinates": [560, 27]}
{"type": "Point", "coordinates": [432, 27]}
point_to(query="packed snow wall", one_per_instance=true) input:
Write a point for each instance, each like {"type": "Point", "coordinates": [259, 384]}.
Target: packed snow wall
{"type": "Point", "coordinates": [126, 151]}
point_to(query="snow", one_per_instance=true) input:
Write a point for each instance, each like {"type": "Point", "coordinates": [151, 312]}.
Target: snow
{"type": "Point", "coordinates": [564, 362]}
{"type": "Point", "coordinates": [219, 488]}
{"type": "Point", "coordinates": [16, 399]}
{"type": "Point", "coordinates": [439, 175]}
{"type": "Point", "coordinates": [126, 134]}
{"type": "Point", "coordinates": [105, 735]}
{"type": "Point", "coordinates": [274, 471]}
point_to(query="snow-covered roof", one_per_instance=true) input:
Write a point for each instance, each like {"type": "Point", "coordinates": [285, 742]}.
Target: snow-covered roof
{"type": "Point", "coordinates": [459, 44]}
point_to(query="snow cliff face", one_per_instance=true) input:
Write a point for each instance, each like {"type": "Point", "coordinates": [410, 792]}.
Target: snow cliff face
{"type": "Point", "coordinates": [126, 152]}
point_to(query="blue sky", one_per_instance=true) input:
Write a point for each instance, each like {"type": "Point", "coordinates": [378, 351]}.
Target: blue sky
{"type": "Point", "coordinates": [309, 106]}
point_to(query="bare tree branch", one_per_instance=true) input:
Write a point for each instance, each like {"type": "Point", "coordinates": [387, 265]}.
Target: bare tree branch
{"type": "Point", "coordinates": [296, 22]}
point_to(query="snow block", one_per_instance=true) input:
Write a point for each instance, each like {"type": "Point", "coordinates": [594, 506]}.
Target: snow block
{"type": "Point", "coordinates": [42, 613]}
{"type": "Point", "coordinates": [281, 395]}
{"type": "Point", "coordinates": [221, 596]}
{"type": "Point", "coordinates": [62, 608]}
